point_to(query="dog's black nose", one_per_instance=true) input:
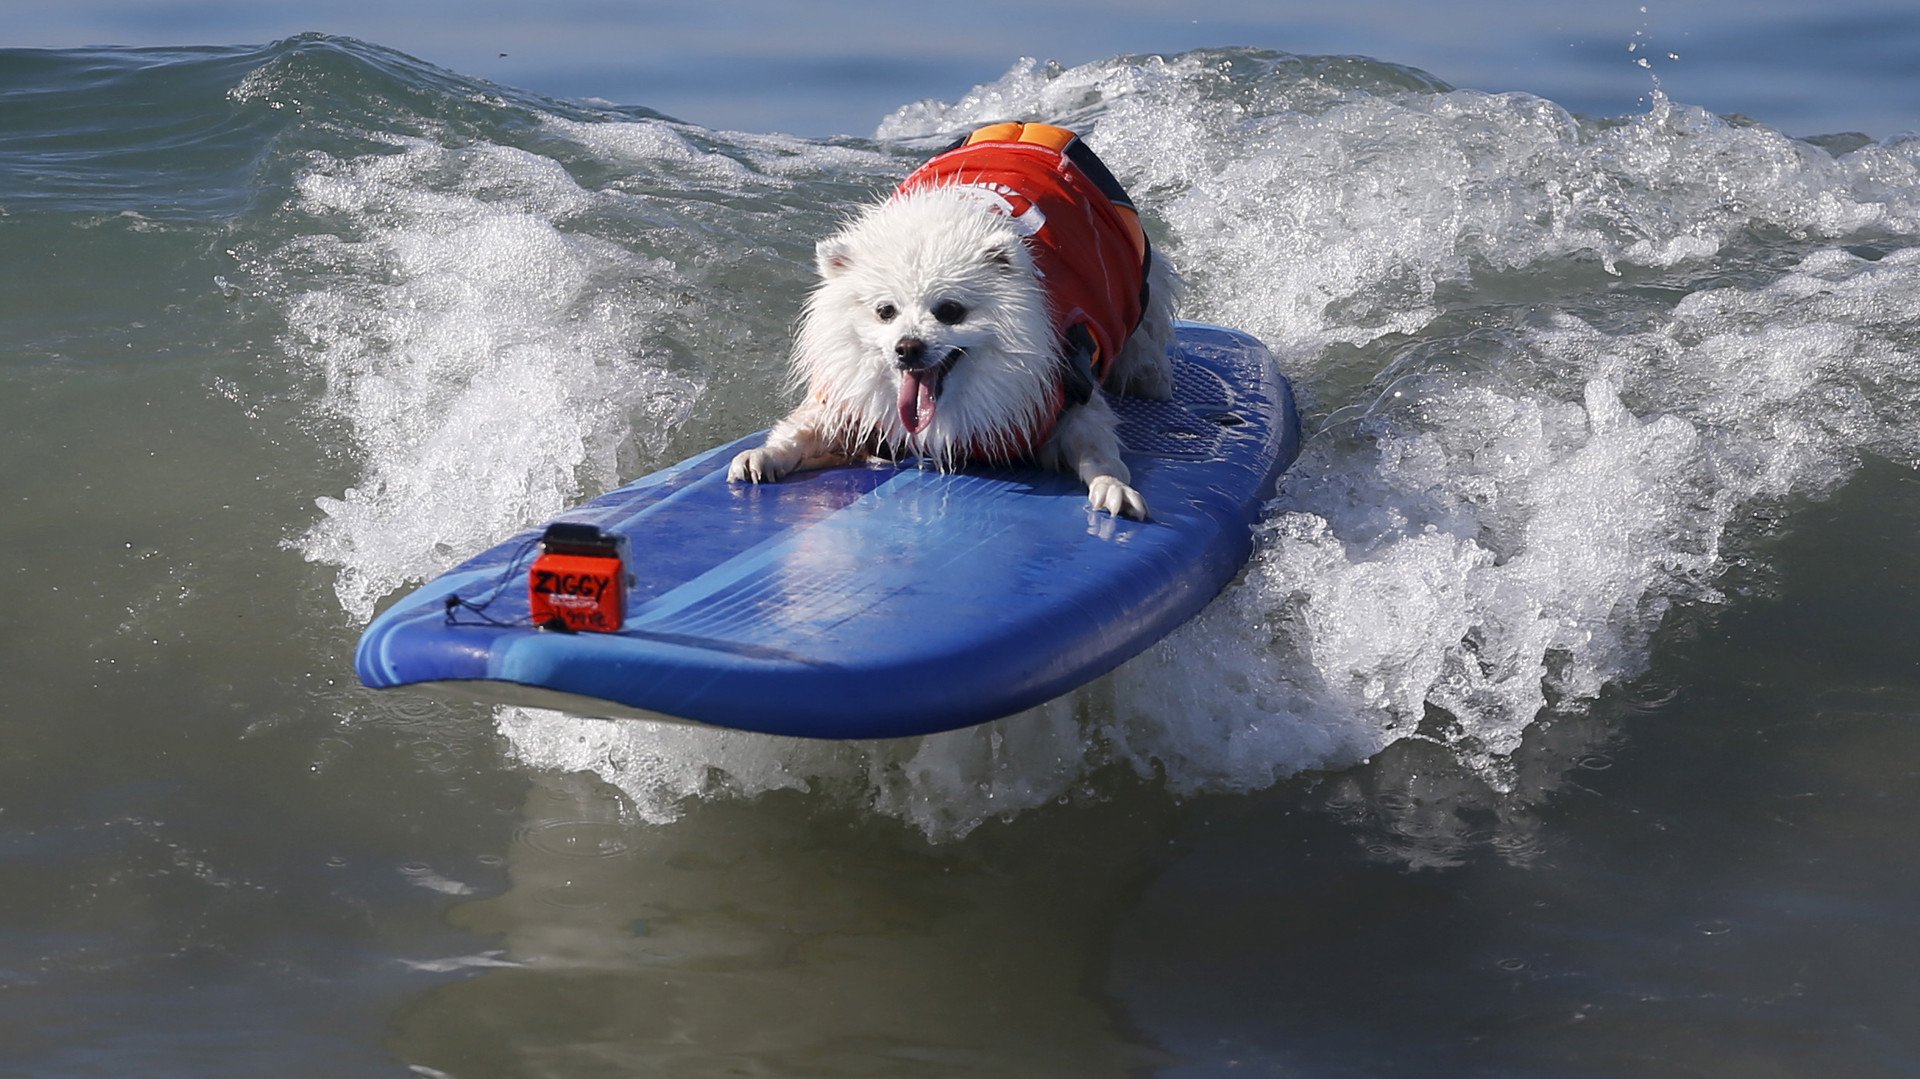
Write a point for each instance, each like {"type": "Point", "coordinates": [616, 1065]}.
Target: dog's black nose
{"type": "Point", "coordinates": [910, 351]}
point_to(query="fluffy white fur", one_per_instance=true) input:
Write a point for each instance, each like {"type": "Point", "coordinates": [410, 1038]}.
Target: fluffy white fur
{"type": "Point", "coordinates": [931, 282]}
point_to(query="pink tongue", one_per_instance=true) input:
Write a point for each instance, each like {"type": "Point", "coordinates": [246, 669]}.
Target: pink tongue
{"type": "Point", "coordinates": [918, 391]}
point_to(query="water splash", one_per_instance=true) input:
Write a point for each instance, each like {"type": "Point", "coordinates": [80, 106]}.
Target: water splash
{"type": "Point", "coordinates": [486, 362]}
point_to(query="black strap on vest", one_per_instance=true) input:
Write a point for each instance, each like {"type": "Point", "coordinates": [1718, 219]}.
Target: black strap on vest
{"type": "Point", "coordinates": [1082, 155]}
{"type": "Point", "coordinates": [1089, 162]}
{"type": "Point", "coordinates": [1076, 368]}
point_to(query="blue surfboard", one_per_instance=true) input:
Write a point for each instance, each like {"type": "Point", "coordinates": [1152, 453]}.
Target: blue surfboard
{"type": "Point", "coordinates": [874, 601]}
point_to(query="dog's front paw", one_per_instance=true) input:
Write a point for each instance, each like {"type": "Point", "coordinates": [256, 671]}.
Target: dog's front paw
{"type": "Point", "coordinates": [755, 466]}
{"type": "Point", "coordinates": [1109, 494]}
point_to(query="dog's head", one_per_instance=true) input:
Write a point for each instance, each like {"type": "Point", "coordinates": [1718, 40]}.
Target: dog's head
{"type": "Point", "coordinates": [928, 324]}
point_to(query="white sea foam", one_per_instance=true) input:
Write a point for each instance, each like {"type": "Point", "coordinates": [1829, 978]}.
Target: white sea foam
{"type": "Point", "coordinates": [1557, 363]}
{"type": "Point", "coordinates": [944, 785]}
{"type": "Point", "coordinates": [487, 362]}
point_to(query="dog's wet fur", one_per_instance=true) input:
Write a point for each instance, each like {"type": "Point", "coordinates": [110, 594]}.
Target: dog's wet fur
{"type": "Point", "coordinates": [929, 335]}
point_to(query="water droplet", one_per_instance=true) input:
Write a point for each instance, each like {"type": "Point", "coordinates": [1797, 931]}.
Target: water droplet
{"type": "Point", "coordinates": [578, 838]}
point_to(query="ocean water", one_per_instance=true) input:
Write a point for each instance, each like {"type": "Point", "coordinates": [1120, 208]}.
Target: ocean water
{"type": "Point", "coordinates": [1565, 721]}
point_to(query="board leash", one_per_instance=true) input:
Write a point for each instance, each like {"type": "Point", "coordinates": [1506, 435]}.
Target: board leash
{"type": "Point", "coordinates": [455, 603]}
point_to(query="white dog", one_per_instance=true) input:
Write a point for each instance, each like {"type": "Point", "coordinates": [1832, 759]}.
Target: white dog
{"type": "Point", "coordinates": [976, 316]}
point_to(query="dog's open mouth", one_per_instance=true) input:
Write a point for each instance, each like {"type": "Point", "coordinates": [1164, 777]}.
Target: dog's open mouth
{"type": "Point", "coordinates": [920, 392]}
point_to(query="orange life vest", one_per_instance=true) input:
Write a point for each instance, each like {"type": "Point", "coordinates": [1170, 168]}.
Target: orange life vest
{"type": "Point", "coordinates": [1081, 227]}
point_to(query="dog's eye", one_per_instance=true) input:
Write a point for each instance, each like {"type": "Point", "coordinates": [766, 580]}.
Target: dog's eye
{"type": "Point", "coordinates": [885, 312]}
{"type": "Point", "coordinates": [949, 313]}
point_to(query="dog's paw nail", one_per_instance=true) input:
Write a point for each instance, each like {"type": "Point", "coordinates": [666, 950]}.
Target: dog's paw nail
{"type": "Point", "coordinates": [746, 468]}
{"type": "Point", "coordinates": [1111, 496]}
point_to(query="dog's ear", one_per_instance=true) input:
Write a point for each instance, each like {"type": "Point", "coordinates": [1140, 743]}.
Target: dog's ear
{"type": "Point", "coordinates": [832, 256]}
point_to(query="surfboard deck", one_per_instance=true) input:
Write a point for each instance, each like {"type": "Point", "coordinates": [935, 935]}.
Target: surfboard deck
{"type": "Point", "coordinates": [880, 600]}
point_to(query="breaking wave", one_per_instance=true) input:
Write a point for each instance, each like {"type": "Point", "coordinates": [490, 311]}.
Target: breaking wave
{"type": "Point", "coordinates": [1556, 370]}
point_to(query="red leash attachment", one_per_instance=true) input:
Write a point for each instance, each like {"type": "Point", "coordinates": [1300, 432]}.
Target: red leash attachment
{"type": "Point", "coordinates": [579, 582]}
